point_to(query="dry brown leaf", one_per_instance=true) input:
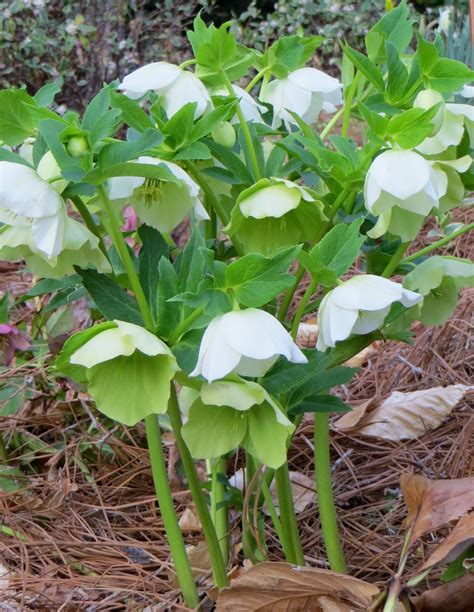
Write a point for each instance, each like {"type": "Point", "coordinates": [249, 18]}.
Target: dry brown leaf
{"type": "Point", "coordinates": [200, 560]}
{"type": "Point", "coordinates": [357, 361]}
{"type": "Point", "coordinates": [403, 416]}
{"type": "Point", "coordinates": [460, 538]}
{"type": "Point", "coordinates": [189, 520]}
{"type": "Point", "coordinates": [455, 596]}
{"type": "Point", "coordinates": [434, 503]}
{"type": "Point", "coordinates": [307, 334]}
{"type": "Point", "coordinates": [281, 587]}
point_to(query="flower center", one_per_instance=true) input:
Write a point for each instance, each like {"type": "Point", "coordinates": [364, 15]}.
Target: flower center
{"type": "Point", "coordinates": [151, 191]}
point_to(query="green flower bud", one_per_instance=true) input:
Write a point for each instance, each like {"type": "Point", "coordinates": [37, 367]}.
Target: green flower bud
{"type": "Point", "coordinates": [224, 134]}
{"type": "Point", "coordinates": [78, 146]}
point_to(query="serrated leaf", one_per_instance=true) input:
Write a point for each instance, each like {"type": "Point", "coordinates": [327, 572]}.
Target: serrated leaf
{"type": "Point", "coordinates": [120, 152]}
{"type": "Point", "coordinates": [366, 67]}
{"type": "Point", "coordinates": [132, 114]}
{"type": "Point", "coordinates": [154, 247]}
{"type": "Point", "coordinates": [16, 122]}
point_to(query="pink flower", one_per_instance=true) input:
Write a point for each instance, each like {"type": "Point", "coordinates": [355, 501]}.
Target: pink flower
{"type": "Point", "coordinates": [11, 340]}
{"type": "Point", "coordinates": [130, 219]}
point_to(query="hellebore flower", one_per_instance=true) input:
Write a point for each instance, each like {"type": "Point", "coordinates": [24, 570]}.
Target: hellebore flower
{"type": "Point", "coordinates": [306, 92]}
{"type": "Point", "coordinates": [227, 414]}
{"type": "Point", "coordinates": [160, 204]}
{"type": "Point", "coordinates": [11, 340]}
{"type": "Point", "coordinates": [175, 87]}
{"type": "Point", "coordinates": [401, 188]}
{"type": "Point", "coordinates": [358, 306]}
{"type": "Point", "coordinates": [27, 201]}
{"type": "Point", "coordinates": [128, 368]}
{"type": "Point", "coordinates": [246, 342]}
{"type": "Point", "coordinates": [450, 120]}
{"type": "Point", "coordinates": [251, 110]}
{"type": "Point", "coordinates": [275, 213]}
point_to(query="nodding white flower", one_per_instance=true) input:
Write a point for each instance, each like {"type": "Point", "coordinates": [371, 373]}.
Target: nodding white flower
{"type": "Point", "coordinates": [28, 201]}
{"type": "Point", "coordinates": [246, 342]}
{"type": "Point", "coordinates": [306, 92]}
{"type": "Point", "coordinates": [160, 204]}
{"type": "Point", "coordinates": [451, 120]}
{"type": "Point", "coordinates": [401, 186]}
{"type": "Point", "coordinates": [358, 306]}
{"type": "Point", "coordinates": [444, 20]}
{"type": "Point", "coordinates": [251, 110]}
{"type": "Point", "coordinates": [122, 340]}
{"type": "Point", "coordinates": [274, 213]}
{"type": "Point", "coordinates": [175, 87]}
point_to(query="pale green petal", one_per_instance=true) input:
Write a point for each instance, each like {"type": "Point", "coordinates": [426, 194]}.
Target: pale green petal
{"type": "Point", "coordinates": [274, 201]}
{"type": "Point", "coordinates": [268, 438]}
{"type": "Point", "coordinates": [241, 396]}
{"type": "Point", "coordinates": [107, 345]}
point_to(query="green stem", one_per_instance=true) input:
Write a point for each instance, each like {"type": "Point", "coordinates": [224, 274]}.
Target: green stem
{"type": "Point", "coordinates": [160, 474]}
{"type": "Point", "coordinates": [301, 307]}
{"type": "Point", "coordinates": [214, 202]}
{"type": "Point", "coordinates": [271, 510]}
{"type": "Point", "coordinates": [183, 327]}
{"type": "Point", "coordinates": [121, 246]}
{"type": "Point", "coordinates": [348, 105]}
{"type": "Point", "coordinates": [195, 485]}
{"type": "Point", "coordinates": [327, 509]}
{"type": "Point", "coordinates": [168, 514]}
{"type": "Point", "coordinates": [245, 130]}
{"type": "Point", "coordinates": [3, 450]}
{"type": "Point", "coordinates": [334, 119]}
{"type": "Point", "coordinates": [89, 221]}
{"type": "Point", "coordinates": [219, 515]}
{"type": "Point", "coordinates": [291, 539]}
{"type": "Point", "coordinates": [257, 78]}
{"type": "Point", "coordinates": [395, 260]}
{"type": "Point", "coordinates": [438, 243]}
{"type": "Point", "coordinates": [189, 62]}
{"type": "Point", "coordinates": [288, 297]}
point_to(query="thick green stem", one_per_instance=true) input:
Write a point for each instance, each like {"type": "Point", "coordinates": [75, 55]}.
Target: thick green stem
{"type": "Point", "coordinates": [327, 509]}
{"type": "Point", "coordinates": [217, 561]}
{"type": "Point", "coordinates": [245, 130]}
{"type": "Point", "coordinates": [301, 307]}
{"type": "Point", "coordinates": [168, 514]}
{"type": "Point", "coordinates": [396, 259]}
{"type": "Point", "coordinates": [160, 474]}
{"type": "Point", "coordinates": [439, 243]}
{"type": "Point", "coordinates": [291, 538]}
{"type": "Point", "coordinates": [257, 78]}
{"type": "Point", "coordinates": [183, 327]}
{"type": "Point", "coordinates": [348, 105]}
{"type": "Point", "coordinates": [121, 246]}
{"type": "Point", "coordinates": [89, 221]}
{"type": "Point", "coordinates": [334, 119]}
{"type": "Point", "coordinates": [288, 297]}
{"type": "Point", "coordinates": [252, 536]}
{"type": "Point", "coordinates": [219, 512]}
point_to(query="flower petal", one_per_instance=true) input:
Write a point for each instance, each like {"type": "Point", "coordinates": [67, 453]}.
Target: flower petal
{"type": "Point", "coordinates": [273, 201]}
{"type": "Point", "coordinates": [104, 346]}
{"type": "Point", "coordinates": [155, 76]}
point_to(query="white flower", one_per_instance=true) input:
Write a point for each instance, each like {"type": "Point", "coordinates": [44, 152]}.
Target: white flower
{"type": "Point", "coordinates": [28, 201]}
{"type": "Point", "coordinates": [306, 92]}
{"type": "Point", "coordinates": [358, 306]}
{"type": "Point", "coordinates": [247, 342]}
{"type": "Point", "coordinates": [124, 340]}
{"type": "Point", "coordinates": [467, 91]}
{"type": "Point", "coordinates": [251, 109]}
{"type": "Point", "coordinates": [450, 121]}
{"type": "Point", "coordinates": [160, 204]}
{"type": "Point", "coordinates": [401, 180]}
{"type": "Point", "coordinates": [273, 200]}
{"type": "Point", "coordinates": [175, 87]}
{"type": "Point", "coordinates": [444, 20]}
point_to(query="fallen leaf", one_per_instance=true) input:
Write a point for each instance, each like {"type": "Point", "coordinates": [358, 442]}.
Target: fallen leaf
{"type": "Point", "coordinates": [307, 334]}
{"type": "Point", "coordinates": [281, 587]}
{"type": "Point", "coordinates": [189, 520]}
{"type": "Point", "coordinates": [460, 538]}
{"type": "Point", "coordinates": [403, 416]}
{"type": "Point", "coordinates": [357, 361]}
{"type": "Point", "coordinates": [434, 503]}
{"type": "Point", "coordinates": [200, 561]}
{"type": "Point", "coordinates": [455, 596]}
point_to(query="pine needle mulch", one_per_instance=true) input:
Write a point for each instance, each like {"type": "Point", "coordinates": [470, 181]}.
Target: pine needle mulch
{"type": "Point", "coordinates": [83, 533]}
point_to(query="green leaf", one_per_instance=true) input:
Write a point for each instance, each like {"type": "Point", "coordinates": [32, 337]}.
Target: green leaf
{"type": "Point", "coordinates": [209, 121]}
{"type": "Point", "coordinates": [113, 301]}
{"type": "Point", "coordinates": [426, 54]}
{"type": "Point", "coordinates": [9, 156]}
{"type": "Point", "coordinates": [411, 127]}
{"type": "Point", "coordinates": [456, 568]}
{"type": "Point", "coordinates": [397, 77]}
{"type": "Point", "coordinates": [366, 67]}
{"type": "Point", "coordinates": [447, 75]}
{"type": "Point", "coordinates": [159, 172]}
{"type": "Point", "coordinates": [168, 314]}
{"type": "Point", "coordinates": [132, 114]}
{"type": "Point", "coordinates": [190, 265]}
{"type": "Point", "coordinates": [256, 280]}
{"type": "Point", "coordinates": [224, 429]}
{"type": "Point", "coordinates": [127, 389]}
{"type": "Point", "coordinates": [187, 350]}
{"type": "Point", "coordinates": [154, 247]}
{"type": "Point", "coordinates": [321, 403]}
{"type": "Point", "coordinates": [286, 376]}
{"type": "Point", "coordinates": [196, 150]}
{"type": "Point", "coordinates": [46, 94]}
{"type": "Point", "coordinates": [71, 168]}
{"type": "Point", "coordinates": [321, 381]}
{"type": "Point", "coordinates": [395, 27]}
{"type": "Point", "coordinates": [337, 251]}
{"type": "Point", "coordinates": [16, 122]}
{"type": "Point", "coordinates": [288, 53]}
{"type": "Point", "coordinates": [119, 152]}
